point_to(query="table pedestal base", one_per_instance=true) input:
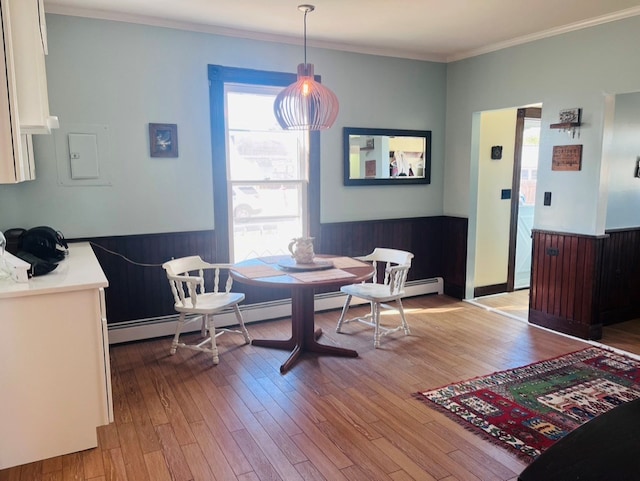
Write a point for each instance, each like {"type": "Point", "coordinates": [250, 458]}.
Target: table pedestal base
{"type": "Point", "coordinates": [304, 336]}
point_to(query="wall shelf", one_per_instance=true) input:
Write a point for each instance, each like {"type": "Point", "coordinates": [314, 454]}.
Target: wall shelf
{"type": "Point", "coordinates": [565, 125]}
{"type": "Point", "coordinates": [571, 124]}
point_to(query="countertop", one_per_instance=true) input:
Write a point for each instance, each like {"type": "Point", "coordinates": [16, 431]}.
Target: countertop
{"type": "Point", "coordinates": [79, 270]}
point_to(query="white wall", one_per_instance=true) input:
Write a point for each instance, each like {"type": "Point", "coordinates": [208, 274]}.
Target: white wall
{"type": "Point", "coordinates": [121, 76]}
{"type": "Point", "coordinates": [494, 213]}
{"type": "Point", "coordinates": [577, 69]}
{"type": "Point", "coordinates": [621, 157]}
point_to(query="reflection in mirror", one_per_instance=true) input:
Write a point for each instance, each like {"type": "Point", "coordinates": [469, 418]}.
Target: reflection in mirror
{"type": "Point", "coordinates": [386, 156]}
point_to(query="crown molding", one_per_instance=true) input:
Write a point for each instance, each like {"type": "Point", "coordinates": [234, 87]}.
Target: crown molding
{"type": "Point", "coordinates": [399, 53]}
{"type": "Point", "coordinates": [236, 33]}
{"type": "Point", "coordinates": [592, 22]}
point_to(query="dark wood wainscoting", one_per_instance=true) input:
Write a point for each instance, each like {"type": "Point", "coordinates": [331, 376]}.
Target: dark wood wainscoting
{"type": "Point", "coordinates": [454, 255]}
{"type": "Point", "coordinates": [439, 245]}
{"type": "Point", "coordinates": [565, 283]}
{"type": "Point", "coordinates": [421, 236]}
{"type": "Point", "coordinates": [490, 290]}
{"type": "Point", "coordinates": [138, 288]}
{"type": "Point", "coordinates": [620, 276]}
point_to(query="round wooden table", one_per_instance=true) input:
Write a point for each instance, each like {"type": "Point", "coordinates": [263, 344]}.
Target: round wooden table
{"type": "Point", "coordinates": [266, 272]}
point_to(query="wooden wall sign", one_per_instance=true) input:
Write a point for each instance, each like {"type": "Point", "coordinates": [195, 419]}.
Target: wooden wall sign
{"type": "Point", "coordinates": [370, 169]}
{"type": "Point", "coordinates": [567, 157]}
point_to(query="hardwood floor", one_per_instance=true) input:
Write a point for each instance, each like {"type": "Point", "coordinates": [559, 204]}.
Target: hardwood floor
{"type": "Point", "coordinates": [337, 419]}
{"type": "Point", "coordinates": [622, 335]}
{"type": "Point", "coordinates": [514, 303]}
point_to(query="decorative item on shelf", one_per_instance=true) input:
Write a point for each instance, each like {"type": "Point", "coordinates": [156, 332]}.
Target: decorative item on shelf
{"type": "Point", "coordinates": [306, 104]}
{"type": "Point", "coordinates": [301, 249]}
{"type": "Point", "coordinates": [163, 140]}
{"type": "Point", "coordinates": [570, 121]}
{"type": "Point", "coordinates": [496, 152]}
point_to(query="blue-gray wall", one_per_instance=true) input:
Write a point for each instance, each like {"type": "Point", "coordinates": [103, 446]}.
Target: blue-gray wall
{"type": "Point", "coordinates": [578, 69]}
{"type": "Point", "coordinates": [581, 69]}
{"type": "Point", "coordinates": [115, 78]}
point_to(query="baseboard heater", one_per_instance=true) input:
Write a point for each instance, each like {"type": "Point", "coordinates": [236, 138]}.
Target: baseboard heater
{"type": "Point", "coordinates": [165, 326]}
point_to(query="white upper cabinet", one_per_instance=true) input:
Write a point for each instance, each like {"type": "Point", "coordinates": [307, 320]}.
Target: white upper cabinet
{"type": "Point", "coordinates": [24, 103]}
{"type": "Point", "coordinates": [29, 32]}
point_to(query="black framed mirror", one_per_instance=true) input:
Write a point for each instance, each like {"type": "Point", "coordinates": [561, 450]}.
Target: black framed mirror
{"type": "Point", "coordinates": [386, 156]}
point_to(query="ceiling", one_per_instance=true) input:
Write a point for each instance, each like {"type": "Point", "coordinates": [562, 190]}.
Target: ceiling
{"type": "Point", "coordinates": [438, 30]}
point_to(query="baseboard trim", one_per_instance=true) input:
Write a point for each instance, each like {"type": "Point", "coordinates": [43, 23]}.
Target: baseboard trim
{"type": "Point", "coordinates": [140, 329]}
{"type": "Point", "coordinates": [489, 290]}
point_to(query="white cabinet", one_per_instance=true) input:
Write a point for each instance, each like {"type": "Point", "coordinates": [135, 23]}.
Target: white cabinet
{"type": "Point", "coordinates": [24, 102]}
{"type": "Point", "coordinates": [29, 37]}
{"type": "Point", "coordinates": [14, 165]}
{"type": "Point", "coordinates": [54, 366]}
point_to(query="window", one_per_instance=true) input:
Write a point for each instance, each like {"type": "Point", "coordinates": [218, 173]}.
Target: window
{"type": "Point", "coordinates": [265, 192]}
{"type": "Point", "coordinates": [266, 175]}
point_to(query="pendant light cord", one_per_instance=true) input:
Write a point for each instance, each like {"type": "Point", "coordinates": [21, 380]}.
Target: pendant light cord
{"type": "Point", "coordinates": [306, 8]}
{"type": "Point", "coordinates": [305, 36]}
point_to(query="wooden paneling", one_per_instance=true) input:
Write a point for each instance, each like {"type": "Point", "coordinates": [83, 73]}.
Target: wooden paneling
{"type": "Point", "coordinates": [490, 290]}
{"type": "Point", "coordinates": [138, 288]}
{"type": "Point", "coordinates": [620, 276]}
{"type": "Point", "coordinates": [422, 236]}
{"type": "Point", "coordinates": [454, 255]}
{"type": "Point", "coordinates": [566, 282]}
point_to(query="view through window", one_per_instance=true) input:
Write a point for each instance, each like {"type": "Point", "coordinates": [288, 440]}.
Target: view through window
{"type": "Point", "coordinates": [267, 176]}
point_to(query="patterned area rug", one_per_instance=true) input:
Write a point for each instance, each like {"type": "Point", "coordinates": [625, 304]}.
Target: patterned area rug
{"type": "Point", "coordinates": [529, 408]}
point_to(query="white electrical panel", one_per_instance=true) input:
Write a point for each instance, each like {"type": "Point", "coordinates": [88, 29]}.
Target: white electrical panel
{"type": "Point", "coordinates": [83, 155]}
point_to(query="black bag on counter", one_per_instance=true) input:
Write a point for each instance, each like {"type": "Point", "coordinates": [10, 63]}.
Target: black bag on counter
{"type": "Point", "coordinates": [42, 242]}
{"type": "Point", "coordinates": [14, 238]}
{"type": "Point", "coordinates": [38, 266]}
{"type": "Point", "coordinates": [37, 246]}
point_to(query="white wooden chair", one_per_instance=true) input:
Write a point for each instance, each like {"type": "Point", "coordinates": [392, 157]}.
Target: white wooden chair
{"type": "Point", "coordinates": [186, 277]}
{"type": "Point", "coordinates": [396, 264]}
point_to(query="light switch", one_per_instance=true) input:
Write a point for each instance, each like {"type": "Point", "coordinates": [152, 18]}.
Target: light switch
{"type": "Point", "coordinates": [83, 155]}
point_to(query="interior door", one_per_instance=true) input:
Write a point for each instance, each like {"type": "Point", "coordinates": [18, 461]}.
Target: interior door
{"type": "Point", "coordinates": [525, 170]}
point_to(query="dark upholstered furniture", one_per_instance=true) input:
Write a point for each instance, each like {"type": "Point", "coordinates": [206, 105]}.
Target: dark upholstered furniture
{"type": "Point", "coordinates": [606, 448]}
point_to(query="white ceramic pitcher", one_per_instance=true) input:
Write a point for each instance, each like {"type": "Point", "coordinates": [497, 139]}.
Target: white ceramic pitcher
{"type": "Point", "coordinates": [301, 249]}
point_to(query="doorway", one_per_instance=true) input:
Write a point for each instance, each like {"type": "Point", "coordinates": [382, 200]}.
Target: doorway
{"type": "Point", "coordinates": [525, 174]}
{"type": "Point", "coordinates": [506, 147]}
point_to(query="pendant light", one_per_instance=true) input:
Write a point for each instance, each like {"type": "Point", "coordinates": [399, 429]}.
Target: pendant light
{"type": "Point", "coordinates": [306, 104]}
